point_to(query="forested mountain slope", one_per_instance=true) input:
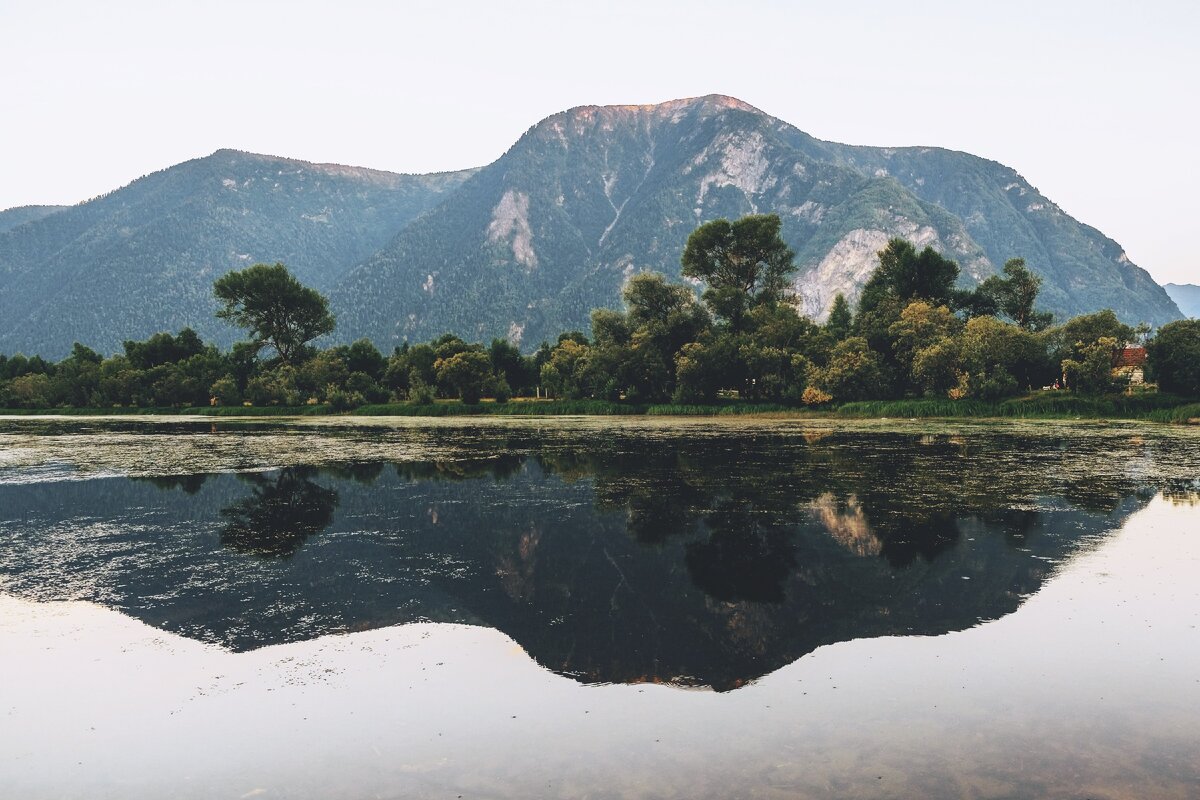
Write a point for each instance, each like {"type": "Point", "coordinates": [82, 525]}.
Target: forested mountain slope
{"type": "Point", "coordinates": [143, 258]}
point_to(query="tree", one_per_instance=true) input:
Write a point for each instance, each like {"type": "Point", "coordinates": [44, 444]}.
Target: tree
{"type": "Point", "coordinates": [276, 309]}
{"type": "Point", "coordinates": [907, 275]}
{"type": "Point", "coordinates": [83, 354]}
{"type": "Point", "coordinates": [1066, 340]}
{"type": "Point", "coordinates": [744, 263]}
{"type": "Point", "coordinates": [363, 356]}
{"type": "Point", "coordinates": [1014, 295]}
{"type": "Point", "coordinates": [937, 368]}
{"type": "Point", "coordinates": [652, 300]}
{"type": "Point", "coordinates": [563, 373]}
{"type": "Point", "coordinates": [852, 373]}
{"type": "Point", "coordinates": [999, 359]}
{"type": "Point", "coordinates": [704, 368]}
{"type": "Point", "coordinates": [163, 348]}
{"type": "Point", "coordinates": [1091, 372]}
{"type": "Point", "coordinates": [840, 318]}
{"type": "Point", "coordinates": [466, 373]}
{"type": "Point", "coordinates": [919, 327]}
{"type": "Point", "coordinates": [1175, 357]}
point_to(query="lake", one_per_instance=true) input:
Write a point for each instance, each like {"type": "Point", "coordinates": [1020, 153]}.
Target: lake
{"type": "Point", "coordinates": [598, 607]}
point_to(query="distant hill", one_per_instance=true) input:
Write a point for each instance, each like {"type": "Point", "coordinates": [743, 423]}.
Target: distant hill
{"type": "Point", "coordinates": [1186, 296]}
{"type": "Point", "coordinates": [143, 258]}
{"type": "Point", "coordinates": [526, 246]}
{"type": "Point", "coordinates": [12, 217]}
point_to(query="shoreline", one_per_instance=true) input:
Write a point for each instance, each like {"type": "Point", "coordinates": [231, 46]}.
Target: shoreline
{"type": "Point", "coordinates": [1067, 408]}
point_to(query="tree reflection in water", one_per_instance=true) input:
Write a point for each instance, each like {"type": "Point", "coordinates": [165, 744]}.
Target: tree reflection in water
{"type": "Point", "coordinates": [280, 513]}
{"type": "Point", "coordinates": [690, 559]}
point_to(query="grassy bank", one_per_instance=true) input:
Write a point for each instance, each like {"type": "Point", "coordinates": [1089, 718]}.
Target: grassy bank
{"type": "Point", "coordinates": [1059, 405]}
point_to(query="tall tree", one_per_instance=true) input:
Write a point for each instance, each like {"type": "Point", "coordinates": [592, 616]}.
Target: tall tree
{"type": "Point", "coordinates": [276, 309]}
{"type": "Point", "coordinates": [840, 319]}
{"type": "Point", "coordinates": [744, 263]}
{"type": "Point", "coordinates": [1175, 357]}
{"type": "Point", "coordinates": [905, 275]}
{"type": "Point", "coordinates": [466, 374]}
{"type": "Point", "coordinates": [1015, 294]}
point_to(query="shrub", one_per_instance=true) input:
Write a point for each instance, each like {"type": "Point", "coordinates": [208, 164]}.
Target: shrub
{"type": "Point", "coordinates": [420, 393]}
{"type": "Point", "coordinates": [225, 391]}
{"type": "Point", "coordinates": [813, 396]}
{"type": "Point", "coordinates": [343, 400]}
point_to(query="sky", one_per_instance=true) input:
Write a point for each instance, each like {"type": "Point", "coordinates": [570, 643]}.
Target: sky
{"type": "Point", "coordinates": [1095, 103]}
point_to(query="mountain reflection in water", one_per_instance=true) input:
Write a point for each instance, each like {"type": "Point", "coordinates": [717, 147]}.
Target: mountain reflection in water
{"type": "Point", "coordinates": [705, 560]}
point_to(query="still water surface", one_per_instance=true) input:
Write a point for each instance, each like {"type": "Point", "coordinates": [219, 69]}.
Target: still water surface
{"type": "Point", "coordinates": [600, 608]}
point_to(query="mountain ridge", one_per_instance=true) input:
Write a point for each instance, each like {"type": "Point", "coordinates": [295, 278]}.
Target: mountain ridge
{"type": "Point", "coordinates": [142, 258]}
{"type": "Point", "coordinates": [1186, 296]}
{"type": "Point", "coordinates": [590, 194]}
{"type": "Point", "coordinates": [526, 246]}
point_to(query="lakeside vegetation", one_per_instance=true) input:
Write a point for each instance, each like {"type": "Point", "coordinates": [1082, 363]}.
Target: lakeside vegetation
{"type": "Point", "coordinates": [1148, 407]}
{"type": "Point", "coordinates": [916, 345]}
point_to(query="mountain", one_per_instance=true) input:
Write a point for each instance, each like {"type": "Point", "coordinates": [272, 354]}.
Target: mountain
{"type": "Point", "coordinates": [1186, 296]}
{"type": "Point", "coordinates": [585, 198]}
{"type": "Point", "coordinates": [143, 258]}
{"type": "Point", "coordinates": [12, 217]}
{"type": "Point", "coordinates": [526, 246]}
{"type": "Point", "coordinates": [552, 229]}
{"type": "Point", "coordinates": [1083, 270]}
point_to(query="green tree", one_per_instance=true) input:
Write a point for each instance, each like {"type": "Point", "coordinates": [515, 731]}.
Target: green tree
{"type": "Point", "coordinates": [275, 308]}
{"type": "Point", "coordinates": [363, 385]}
{"type": "Point", "coordinates": [1091, 371]}
{"type": "Point", "coordinates": [904, 275]}
{"type": "Point", "coordinates": [744, 263]}
{"type": "Point", "coordinates": [920, 326]}
{"type": "Point", "coordinates": [163, 348]}
{"type": "Point", "coordinates": [31, 390]}
{"type": "Point", "coordinates": [703, 368]}
{"type": "Point", "coordinates": [1067, 340]}
{"type": "Point", "coordinates": [840, 318]}
{"type": "Point", "coordinates": [363, 356]}
{"type": "Point", "coordinates": [466, 373]}
{"type": "Point", "coordinates": [1174, 355]}
{"type": "Point", "coordinates": [275, 387]}
{"type": "Point", "coordinates": [510, 366]}
{"type": "Point", "coordinates": [662, 317]}
{"type": "Point", "coordinates": [907, 275]}
{"type": "Point", "coordinates": [937, 368]}
{"type": "Point", "coordinates": [1015, 294]}
{"type": "Point", "coordinates": [852, 373]}
{"type": "Point", "coordinates": [225, 390]}
{"type": "Point", "coordinates": [564, 373]}
{"type": "Point", "coordinates": [999, 359]}
{"type": "Point", "coordinates": [83, 354]}
{"type": "Point", "coordinates": [327, 368]}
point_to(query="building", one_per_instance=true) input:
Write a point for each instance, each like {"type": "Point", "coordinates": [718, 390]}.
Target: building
{"type": "Point", "coordinates": [1130, 363]}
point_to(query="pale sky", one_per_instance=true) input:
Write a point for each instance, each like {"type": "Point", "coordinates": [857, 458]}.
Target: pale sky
{"type": "Point", "coordinates": [1095, 103]}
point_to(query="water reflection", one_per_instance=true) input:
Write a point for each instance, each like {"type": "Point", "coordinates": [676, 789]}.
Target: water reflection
{"type": "Point", "coordinates": [609, 556]}
{"type": "Point", "coordinates": [281, 512]}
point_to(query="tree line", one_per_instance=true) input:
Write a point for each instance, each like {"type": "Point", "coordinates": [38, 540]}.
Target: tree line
{"type": "Point", "coordinates": [913, 333]}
